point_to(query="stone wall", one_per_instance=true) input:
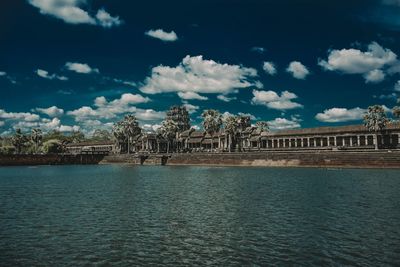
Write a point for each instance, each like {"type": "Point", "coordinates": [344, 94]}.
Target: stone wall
{"type": "Point", "coordinates": [370, 159]}
{"type": "Point", "coordinates": [54, 159]}
{"type": "Point", "coordinates": [363, 159]}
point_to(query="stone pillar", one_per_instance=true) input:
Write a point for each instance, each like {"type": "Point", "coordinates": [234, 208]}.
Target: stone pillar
{"type": "Point", "coordinates": [322, 141]}
{"type": "Point", "coordinates": [351, 141]}
{"type": "Point", "coordinates": [358, 140]}
{"type": "Point", "coordinates": [308, 142]}
{"type": "Point", "coordinates": [295, 143]}
{"type": "Point", "coordinates": [335, 140]}
{"type": "Point", "coordinates": [315, 142]}
{"type": "Point", "coordinates": [398, 136]}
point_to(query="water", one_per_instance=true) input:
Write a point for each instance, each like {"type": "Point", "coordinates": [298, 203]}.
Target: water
{"type": "Point", "coordinates": [125, 216]}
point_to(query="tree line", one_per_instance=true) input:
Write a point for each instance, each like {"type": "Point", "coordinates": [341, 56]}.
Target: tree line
{"type": "Point", "coordinates": [127, 132]}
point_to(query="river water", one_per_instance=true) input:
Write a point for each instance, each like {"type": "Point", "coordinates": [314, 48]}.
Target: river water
{"type": "Point", "coordinates": [222, 216]}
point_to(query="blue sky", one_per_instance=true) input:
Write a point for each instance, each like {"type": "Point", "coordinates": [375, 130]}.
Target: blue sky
{"type": "Point", "coordinates": [80, 64]}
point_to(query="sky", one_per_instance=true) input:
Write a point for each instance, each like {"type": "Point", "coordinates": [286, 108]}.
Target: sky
{"type": "Point", "coordinates": [72, 65]}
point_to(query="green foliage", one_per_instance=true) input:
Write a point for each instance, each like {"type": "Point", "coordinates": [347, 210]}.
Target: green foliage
{"type": "Point", "coordinates": [19, 141]}
{"type": "Point", "coordinates": [7, 150]}
{"type": "Point", "coordinates": [212, 121]}
{"type": "Point", "coordinates": [180, 116]}
{"type": "Point", "coordinates": [101, 135]}
{"type": "Point", "coordinates": [262, 126]}
{"type": "Point", "coordinates": [126, 131]}
{"type": "Point", "coordinates": [168, 131]}
{"type": "Point", "coordinates": [396, 112]}
{"type": "Point", "coordinates": [36, 138]}
{"type": "Point", "coordinates": [53, 146]}
{"type": "Point", "coordinates": [76, 137]}
{"type": "Point", "coordinates": [375, 120]}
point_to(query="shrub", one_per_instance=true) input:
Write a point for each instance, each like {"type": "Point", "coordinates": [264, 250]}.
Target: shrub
{"type": "Point", "coordinates": [52, 147]}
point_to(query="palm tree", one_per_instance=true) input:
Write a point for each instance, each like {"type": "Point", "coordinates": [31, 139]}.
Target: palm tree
{"type": "Point", "coordinates": [168, 131]}
{"type": "Point", "coordinates": [180, 116]}
{"type": "Point", "coordinates": [36, 137]}
{"type": "Point", "coordinates": [101, 135]}
{"type": "Point", "coordinates": [375, 121]}
{"type": "Point", "coordinates": [212, 121]}
{"type": "Point", "coordinates": [77, 137]}
{"type": "Point", "coordinates": [396, 110]}
{"type": "Point", "coordinates": [119, 134]}
{"type": "Point", "coordinates": [262, 126]}
{"type": "Point", "coordinates": [231, 129]}
{"type": "Point", "coordinates": [131, 128]}
{"type": "Point", "coordinates": [243, 122]}
{"type": "Point", "coordinates": [18, 140]}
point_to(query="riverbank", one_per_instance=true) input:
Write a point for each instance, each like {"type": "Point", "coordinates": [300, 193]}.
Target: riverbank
{"type": "Point", "coordinates": [335, 159]}
{"type": "Point", "coordinates": [52, 159]}
{"type": "Point", "coordinates": [324, 159]}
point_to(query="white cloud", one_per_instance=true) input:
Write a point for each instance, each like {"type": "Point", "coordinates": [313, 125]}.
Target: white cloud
{"type": "Point", "coordinates": [80, 67]}
{"type": "Point", "coordinates": [354, 61]}
{"type": "Point", "coordinates": [8, 77]}
{"type": "Point", "coordinates": [25, 116]}
{"type": "Point", "coordinates": [51, 111]}
{"type": "Point", "coordinates": [130, 83]}
{"type": "Point", "coordinates": [191, 95]}
{"type": "Point", "coordinates": [46, 125]}
{"type": "Point", "coordinates": [397, 86]}
{"type": "Point", "coordinates": [298, 70]}
{"type": "Point", "coordinates": [149, 114]}
{"type": "Point", "coordinates": [269, 68]}
{"type": "Point", "coordinates": [226, 98]}
{"type": "Point", "coordinates": [272, 100]}
{"type": "Point", "coordinates": [106, 20]}
{"type": "Point", "coordinates": [151, 128]}
{"type": "Point", "coordinates": [341, 114]}
{"type": "Point", "coordinates": [191, 108]}
{"type": "Point", "coordinates": [258, 49]}
{"type": "Point", "coordinates": [70, 11]}
{"type": "Point", "coordinates": [392, 96]}
{"type": "Point", "coordinates": [45, 74]}
{"type": "Point", "coordinates": [162, 35]}
{"type": "Point", "coordinates": [374, 76]}
{"type": "Point", "coordinates": [109, 110]}
{"type": "Point", "coordinates": [227, 114]}
{"type": "Point", "coordinates": [194, 74]}
{"type": "Point", "coordinates": [2, 123]}
{"type": "Point", "coordinates": [284, 124]}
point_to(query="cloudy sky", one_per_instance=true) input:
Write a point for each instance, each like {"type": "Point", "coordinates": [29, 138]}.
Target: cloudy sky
{"type": "Point", "coordinates": [83, 64]}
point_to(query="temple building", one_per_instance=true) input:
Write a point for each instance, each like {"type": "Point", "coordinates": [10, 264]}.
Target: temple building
{"type": "Point", "coordinates": [352, 137]}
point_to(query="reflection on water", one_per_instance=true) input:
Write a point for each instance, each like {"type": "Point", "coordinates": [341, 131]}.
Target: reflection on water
{"type": "Point", "coordinates": [120, 215]}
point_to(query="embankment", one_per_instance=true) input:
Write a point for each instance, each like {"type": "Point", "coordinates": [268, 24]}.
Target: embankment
{"type": "Point", "coordinates": [335, 159]}
{"type": "Point", "coordinates": [345, 159]}
{"type": "Point", "coordinates": [54, 159]}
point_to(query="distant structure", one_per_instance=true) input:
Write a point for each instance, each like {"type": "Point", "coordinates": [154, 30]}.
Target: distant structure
{"type": "Point", "coordinates": [346, 138]}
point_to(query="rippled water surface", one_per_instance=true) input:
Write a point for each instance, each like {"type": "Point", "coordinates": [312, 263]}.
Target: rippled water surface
{"type": "Point", "coordinates": [130, 216]}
